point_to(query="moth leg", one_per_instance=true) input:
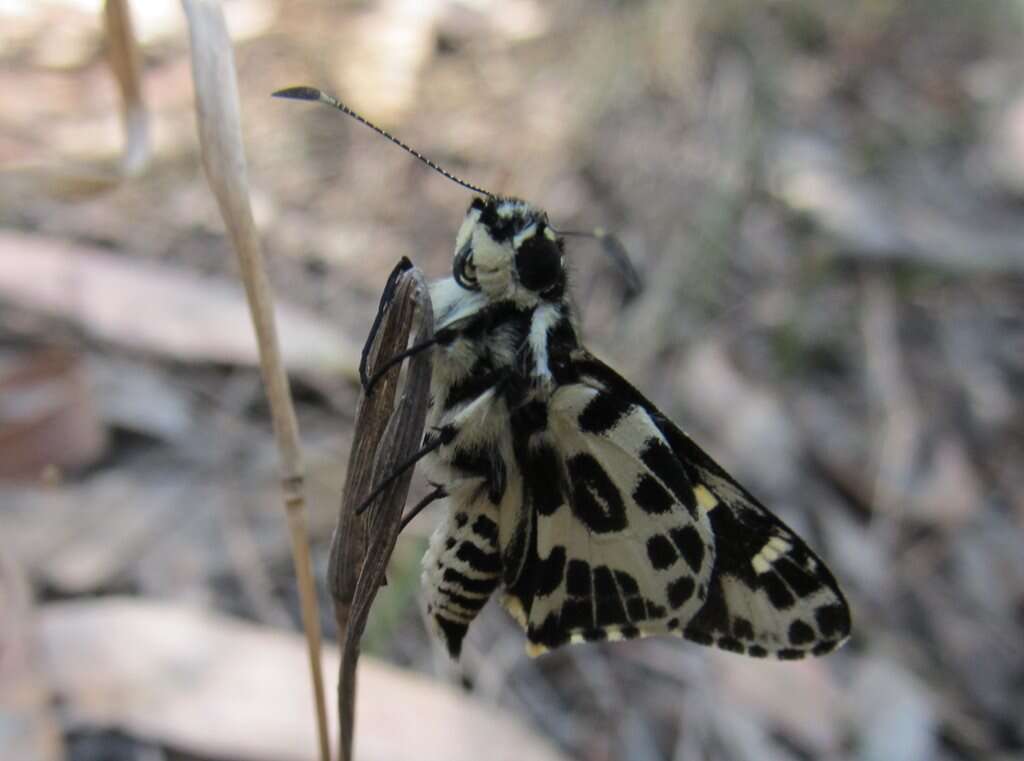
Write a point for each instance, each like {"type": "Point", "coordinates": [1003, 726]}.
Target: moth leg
{"type": "Point", "coordinates": [385, 300]}
{"type": "Point", "coordinates": [433, 440]}
{"type": "Point", "coordinates": [442, 337]}
{"type": "Point", "coordinates": [438, 492]}
{"type": "Point", "coordinates": [371, 381]}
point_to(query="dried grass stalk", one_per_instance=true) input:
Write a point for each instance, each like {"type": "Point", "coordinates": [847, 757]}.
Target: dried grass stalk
{"type": "Point", "coordinates": [386, 434]}
{"type": "Point", "coordinates": [213, 72]}
{"type": "Point", "coordinates": [79, 181]}
{"type": "Point", "coordinates": [126, 63]}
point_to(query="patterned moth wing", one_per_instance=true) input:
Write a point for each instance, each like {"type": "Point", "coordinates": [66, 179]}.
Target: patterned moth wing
{"type": "Point", "coordinates": [705, 557]}
{"type": "Point", "coordinates": [615, 546]}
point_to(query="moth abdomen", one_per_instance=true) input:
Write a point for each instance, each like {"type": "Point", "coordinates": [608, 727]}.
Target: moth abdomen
{"type": "Point", "coordinates": [462, 568]}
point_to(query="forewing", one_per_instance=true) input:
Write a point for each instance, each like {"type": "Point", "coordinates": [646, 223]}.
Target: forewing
{"type": "Point", "coordinates": [615, 544]}
{"type": "Point", "coordinates": [769, 594]}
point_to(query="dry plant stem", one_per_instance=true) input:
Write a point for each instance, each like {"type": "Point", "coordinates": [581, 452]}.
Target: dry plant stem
{"type": "Point", "coordinates": [126, 63]}
{"type": "Point", "coordinates": [386, 434]}
{"type": "Point", "coordinates": [213, 72]}
{"type": "Point", "coordinates": [77, 181]}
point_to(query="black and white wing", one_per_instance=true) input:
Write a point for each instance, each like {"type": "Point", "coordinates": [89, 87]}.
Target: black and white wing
{"type": "Point", "coordinates": [629, 529]}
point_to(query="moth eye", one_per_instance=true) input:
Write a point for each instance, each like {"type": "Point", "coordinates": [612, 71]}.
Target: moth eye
{"type": "Point", "coordinates": [539, 262]}
{"type": "Point", "coordinates": [464, 269]}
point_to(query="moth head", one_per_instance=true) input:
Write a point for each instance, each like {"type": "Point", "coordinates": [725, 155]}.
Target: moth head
{"type": "Point", "coordinates": [507, 249]}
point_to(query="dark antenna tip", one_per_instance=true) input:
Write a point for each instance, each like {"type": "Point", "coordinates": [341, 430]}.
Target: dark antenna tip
{"type": "Point", "coordinates": [299, 93]}
{"type": "Point", "coordinates": [616, 252]}
{"type": "Point", "coordinates": [312, 93]}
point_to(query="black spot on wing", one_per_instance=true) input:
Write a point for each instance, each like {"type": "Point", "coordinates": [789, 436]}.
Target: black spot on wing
{"type": "Point", "coordinates": [713, 617]}
{"type": "Point", "coordinates": [577, 613]}
{"type": "Point", "coordinates": [833, 620]}
{"type": "Point", "coordinates": [610, 611]}
{"type": "Point", "coordinates": [577, 579]}
{"type": "Point", "coordinates": [679, 591]}
{"type": "Point", "coordinates": [800, 633]}
{"type": "Point", "coordinates": [549, 633]}
{"type": "Point", "coordinates": [823, 648]}
{"type": "Point", "coordinates": [635, 609]}
{"type": "Point", "coordinates": [551, 572]}
{"type": "Point", "coordinates": [690, 545]}
{"type": "Point", "coordinates": [542, 479]}
{"type": "Point", "coordinates": [655, 611]}
{"type": "Point", "coordinates": [604, 582]}
{"type": "Point", "coordinates": [596, 500]}
{"type": "Point", "coordinates": [627, 584]}
{"type": "Point", "coordinates": [731, 644]}
{"type": "Point", "coordinates": [777, 590]}
{"type": "Point", "coordinates": [651, 497]}
{"type": "Point", "coordinates": [743, 628]}
{"type": "Point", "coordinates": [663, 463]}
{"type": "Point", "coordinates": [698, 636]}
{"type": "Point", "coordinates": [660, 552]}
{"type": "Point", "coordinates": [802, 583]}
{"type": "Point", "coordinates": [602, 413]}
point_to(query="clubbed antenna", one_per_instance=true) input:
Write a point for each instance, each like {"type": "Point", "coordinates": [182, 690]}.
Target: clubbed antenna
{"type": "Point", "coordinates": [311, 93]}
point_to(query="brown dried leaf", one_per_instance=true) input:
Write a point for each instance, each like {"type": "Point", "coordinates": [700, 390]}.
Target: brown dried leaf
{"type": "Point", "coordinates": [386, 435]}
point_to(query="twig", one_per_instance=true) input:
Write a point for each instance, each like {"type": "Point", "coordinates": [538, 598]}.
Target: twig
{"type": "Point", "coordinates": [386, 434]}
{"type": "Point", "coordinates": [213, 72]}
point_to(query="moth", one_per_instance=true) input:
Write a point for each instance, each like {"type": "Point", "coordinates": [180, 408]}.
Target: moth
{"type": "Point", "coordinates": [568, 492]}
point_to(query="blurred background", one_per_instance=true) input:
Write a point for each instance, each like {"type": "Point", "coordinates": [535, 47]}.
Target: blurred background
{"type": "Point", "coordinates": [826, 200]}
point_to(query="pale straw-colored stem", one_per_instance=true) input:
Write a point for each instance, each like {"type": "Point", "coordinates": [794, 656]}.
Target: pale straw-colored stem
{"type": "Point", "coordinates": [217, 106]}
